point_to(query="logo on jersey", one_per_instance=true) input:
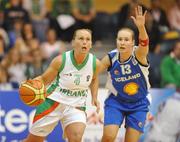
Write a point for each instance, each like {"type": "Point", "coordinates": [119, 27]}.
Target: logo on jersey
{"type": "Point", "coordinates": [87, 78]}
{"type": "Point", "coordinates": [77, 79]}
{"type": "Point", "coordinates": [116, 72]}
{"type": "Point", "coordinates": [131, 88]}
{"type": "Point", "coordinates": [140, 124]}
{"type": "Point", "coordinates": [134, 61]}
{"type": "Point", "coordinates": [68, 74]}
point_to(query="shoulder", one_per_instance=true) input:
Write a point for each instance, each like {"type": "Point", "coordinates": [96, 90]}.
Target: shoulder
{"type": "Point", "coordinates": [57, 61]}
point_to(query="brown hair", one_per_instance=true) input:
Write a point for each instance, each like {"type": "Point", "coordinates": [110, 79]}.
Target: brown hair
{"type": "Point", "coordinates": [127, 29]}
{"type": "Point", "coordinates": [74, 35]}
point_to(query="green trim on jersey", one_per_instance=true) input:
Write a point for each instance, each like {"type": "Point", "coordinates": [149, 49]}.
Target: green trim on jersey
{"type": "Point", "coordinates": [80, 66]}
{"type": "Point", "coordinates": [94, 63]}
{"type": "Point", "coordinates": [55, 84]}
{"type": "Point", "coordinates": [47, 104]}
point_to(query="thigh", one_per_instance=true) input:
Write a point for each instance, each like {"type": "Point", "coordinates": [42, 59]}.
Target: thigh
{"type": "Point", "coordinates": [72, 115]}
{"type": "Point", "coordinates": [136, 120]}
{"type": "Point", "coordinates": [46, 118]}
{"type": "Point", "coordinates": [73, 122]}
{"type": "Point", "coordinates": [113, 116]}
{"type": "Point", "coordinates": [75, 131]}
{"type": "Point", "coordinates": [132, 135]}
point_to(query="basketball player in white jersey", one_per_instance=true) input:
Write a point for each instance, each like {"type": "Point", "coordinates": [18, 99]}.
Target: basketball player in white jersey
{"type": "Point", "coordinates": [68, 78]}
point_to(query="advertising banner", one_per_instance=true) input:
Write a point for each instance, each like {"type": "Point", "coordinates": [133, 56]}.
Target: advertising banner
{"type": "Point", "coordinates": [16, 117]}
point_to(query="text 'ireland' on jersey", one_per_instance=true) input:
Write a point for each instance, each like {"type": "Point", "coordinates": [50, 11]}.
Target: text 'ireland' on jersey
{"type": "Point", "coordinates": [73, 80]}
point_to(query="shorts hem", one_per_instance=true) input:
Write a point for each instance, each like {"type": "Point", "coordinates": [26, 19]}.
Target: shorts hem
{"type": "Point", "coordinates": [37, 134]}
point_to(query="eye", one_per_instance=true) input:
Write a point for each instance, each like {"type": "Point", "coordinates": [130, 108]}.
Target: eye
{"type": "Point", "coordinates": [126, 39]}
{"type": "Point", "coordinates": [120, 39]}
{"type": "Point", "coordinates": [81, 38]}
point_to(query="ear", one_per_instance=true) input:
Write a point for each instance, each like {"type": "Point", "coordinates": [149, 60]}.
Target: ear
{"type": "Point", "coordinates": [72, 43]}
{"type": "Point", "coordinates": [133, 43]}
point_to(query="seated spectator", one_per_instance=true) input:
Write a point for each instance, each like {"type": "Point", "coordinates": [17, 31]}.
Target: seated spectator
{"type": "Point", "coordinates": [159, 16]}
{"type": "Point", "coordinates": [52, 46]}
{"type": "Point", "coordinates": [174, 16]}
{"type": "Point", "coordinates": [4, 84]}
{"type": "Point", "coordinates": [38, 11]}
{"type": "Point", "coordinates": [61, 19]}
{"type": "Point", "coordinates": [124, 14]}
{"type": "Point", "coordinates": [14, 66]}
{"type": "Point", "coordinates": [13, 12]}
{"type": "Point", "coordinates": [170, 68]}
{"type": "Point", "coordinates": [2, 48]}
{"type": "Point", "coordinates": [85, 13]}
{"type": "Point", "coordinates": [28, 33]}
{"type": "Point", "coordinates": [16, 32]}
{"type": "Point", "coordinates": [37, 65]}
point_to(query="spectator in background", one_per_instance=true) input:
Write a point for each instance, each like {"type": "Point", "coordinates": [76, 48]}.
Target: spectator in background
{"type": "Point", "coordinates": [174, 16]}
{"type": "Point", "coordinates": [124, 14]}
{"type": "Point", "coordinates": [16, 32]}
{"type": "Point", "coordinates": [159, 16]}
{"type": "Point", "coordinates": [2, 48]}
{"type": "Point", "coordinates": [37, 65]}
{"type": "Point", "coordinates": [170, 68]}
{"type": "Point", "coordinates": [4, 84]}
{"type": "Point", "coordinates": [38, 12]}
{"type": "Point", "coordinates": [14, 66]}
{"type": "Point", "coordinates": [62, 20]}
{"type": "Point", "coordinates": [15, 11]}
{"type": "Point", "coordinates": [85, 14]}
{"type": "Point", "coordinates": [2, 19]}
{"type": "Point", "coordinates": [52, 46]}
{"type": "Point", "coordinates": [28, 33]}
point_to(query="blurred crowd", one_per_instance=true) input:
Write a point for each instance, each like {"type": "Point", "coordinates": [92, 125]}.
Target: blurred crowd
{"type": "Point", "coordinates": [31, 34]}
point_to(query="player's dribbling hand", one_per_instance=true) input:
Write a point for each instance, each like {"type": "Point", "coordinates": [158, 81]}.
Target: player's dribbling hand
{"type": "Point", "coordinates": [97, 104]}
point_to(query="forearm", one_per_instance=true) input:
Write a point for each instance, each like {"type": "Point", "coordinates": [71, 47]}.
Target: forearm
{"type": "Point", "coordinates": [94, 88]}
{"type": "Point", "coordinates": [142, 33]}
{"type": "Point", "coordinates": [44, 81]}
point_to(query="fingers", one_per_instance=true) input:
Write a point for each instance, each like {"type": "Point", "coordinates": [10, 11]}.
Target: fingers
{"type": "Point", "coordinates": [139, 11]}
{"type": "Point", "coordinates": [145, 13]}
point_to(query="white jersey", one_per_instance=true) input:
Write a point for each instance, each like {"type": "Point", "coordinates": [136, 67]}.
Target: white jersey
{"type": "Point", "coordinates": [73, 80]}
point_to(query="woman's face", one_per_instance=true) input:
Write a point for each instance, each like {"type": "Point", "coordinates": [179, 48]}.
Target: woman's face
{"type": "Point", "coordinates": [82, 42]}
{"type": "Point", "coordinates": [125, 41]}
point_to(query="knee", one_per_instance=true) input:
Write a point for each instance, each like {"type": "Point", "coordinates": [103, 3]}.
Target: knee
{"type": "Point", "coordinates": [108, 138]}
{"type": "Point", "coordinates": [75, 137]}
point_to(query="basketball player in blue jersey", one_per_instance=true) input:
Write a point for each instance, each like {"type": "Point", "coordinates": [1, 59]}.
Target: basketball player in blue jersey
{"type": "Point", "coordinates": [68, 78]}
{"type": "Point", "coordinates": [127, 83]}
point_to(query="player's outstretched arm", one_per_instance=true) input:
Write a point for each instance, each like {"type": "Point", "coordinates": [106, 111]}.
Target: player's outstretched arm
{"type": "Point", "coordinates": [104, 64]}
{"type": "Point", "coordinates": [94, 87]}
{"type": "Point", "coordinates": [51, 72]}
{"type": "Point", "coordinates": [143, 49]}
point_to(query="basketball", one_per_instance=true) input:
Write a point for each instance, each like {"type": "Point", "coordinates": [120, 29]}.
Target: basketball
{"type": "Point", "coordinates": [32, 92]}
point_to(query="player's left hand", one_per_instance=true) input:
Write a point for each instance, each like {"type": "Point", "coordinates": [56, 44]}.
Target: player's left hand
{"type": "Point", "coordinates": [139, 19]}
{"type": "Point", "coordinates": [97, 104]}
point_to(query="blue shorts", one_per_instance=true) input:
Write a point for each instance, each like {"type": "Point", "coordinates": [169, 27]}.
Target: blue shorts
{"type": "Point", "coordinates": [133, 119]}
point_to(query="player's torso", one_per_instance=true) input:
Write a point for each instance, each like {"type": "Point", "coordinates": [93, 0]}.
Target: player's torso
{"type": "Point", "coordinates": [73, 81]}
{"type": "Point", "coordinates": [128, 80]}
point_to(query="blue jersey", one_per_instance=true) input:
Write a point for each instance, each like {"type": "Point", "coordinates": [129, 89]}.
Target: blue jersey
{"type": "Point", "coordinates": [127, 81]}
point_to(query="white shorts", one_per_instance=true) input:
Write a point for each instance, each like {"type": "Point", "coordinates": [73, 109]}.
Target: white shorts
{"type": "Point", "coordinates": [50, 113]}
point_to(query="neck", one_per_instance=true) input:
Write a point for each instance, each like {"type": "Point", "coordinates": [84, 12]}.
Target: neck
{"type": "Point", "coordinates": [124, 57]}
{"type": "Point", "coordinates": [79, 58]}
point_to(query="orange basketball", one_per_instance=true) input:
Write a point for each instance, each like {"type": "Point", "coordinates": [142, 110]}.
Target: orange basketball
{"type": "Point", "coordinates": [32, 92]}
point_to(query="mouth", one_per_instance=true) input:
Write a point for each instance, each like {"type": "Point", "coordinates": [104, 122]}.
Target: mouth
{"type": "Point", "coordinates": [84, 48]}
{"type": "Point", "coordinates": [122, 47]}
